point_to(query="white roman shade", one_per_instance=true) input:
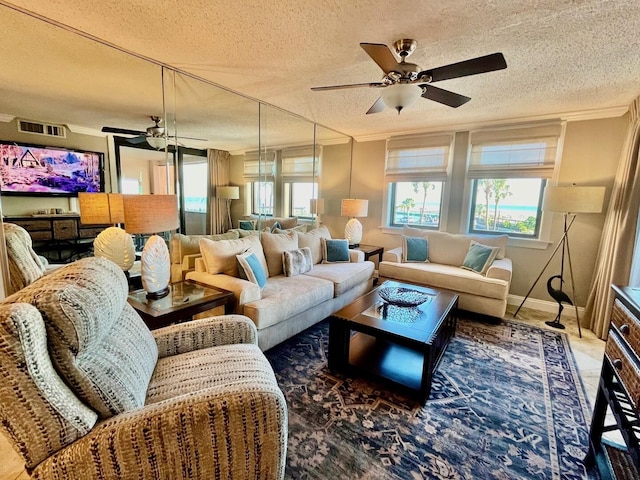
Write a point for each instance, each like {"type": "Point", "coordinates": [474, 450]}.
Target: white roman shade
{"type": "Point", "coordinates": [418, 157]}
{"type": "Point", "coordinates": [256, 167]}
{"type": "Point", "coordinates": [518, 152]}
{"type": "Point", "coordinates": [300, 163]}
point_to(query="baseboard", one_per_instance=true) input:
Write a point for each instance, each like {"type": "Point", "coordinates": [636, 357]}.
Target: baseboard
{"type": "Point", "coordinates": [544, 306]}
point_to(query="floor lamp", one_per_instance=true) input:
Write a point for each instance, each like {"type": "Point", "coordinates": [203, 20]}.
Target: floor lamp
{"type": "Point", "coordinates": [227, 194]}
{"type": "Point", "coordinates": [569, 201]}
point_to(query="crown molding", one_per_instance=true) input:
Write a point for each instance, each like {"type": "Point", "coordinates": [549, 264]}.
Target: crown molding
{"type": "Point", "coordinates": [6, 118]}
{"type": "Point", "coordinates": [609, 112]}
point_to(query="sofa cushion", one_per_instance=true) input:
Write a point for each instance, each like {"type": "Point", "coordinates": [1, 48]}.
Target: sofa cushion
{"type": "Point", "coordinates": [415, 249]}
{"type": "Point", "coordinates": [284, 297]}
{"type": "Point", "coordinates": [249, 268]}
{"type": "Point", "coordinates": [336, 250]}
{"type": "Point", "coordinates": [447, 277]}
{"type": "Point", "coordinates": [220, 256]}
{"type": "Point", "coordinates": [182, 245]}
{"type": "Point", "coordinates": [99, 344]}
{"type": "Point", "coordinates": [274, 244]}
{"type": "Point", "coordinates": [313, 240]}
{"type": "Point", "coordinates": [297, 262]}
{"type": "Point", "coordinates": [460, 241]}
{"type": "Point", "coordinates": [344, 276]}
{"type": "Point", "coordinates": [499, 241]}
{"type": "Point", "coordinates": [479, 257]}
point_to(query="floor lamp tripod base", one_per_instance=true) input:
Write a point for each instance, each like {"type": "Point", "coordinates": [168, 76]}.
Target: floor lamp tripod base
{"type": "Point", "coordinates": [556, 324]}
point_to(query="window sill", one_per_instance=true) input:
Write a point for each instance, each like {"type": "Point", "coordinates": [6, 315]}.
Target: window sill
{"type": "Point", "coordinates": [535, 244]}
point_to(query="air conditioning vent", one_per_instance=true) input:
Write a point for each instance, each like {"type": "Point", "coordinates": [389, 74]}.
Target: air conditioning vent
{"type": "Point", "coordinates": [42, 129]}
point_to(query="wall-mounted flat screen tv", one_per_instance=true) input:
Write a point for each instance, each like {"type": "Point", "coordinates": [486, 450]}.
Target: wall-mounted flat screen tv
{"type": "Point", "coordinates": [38, 170]}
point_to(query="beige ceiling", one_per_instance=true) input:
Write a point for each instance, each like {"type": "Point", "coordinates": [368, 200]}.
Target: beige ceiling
{"type": "Point", "coordinates": [562, 56]}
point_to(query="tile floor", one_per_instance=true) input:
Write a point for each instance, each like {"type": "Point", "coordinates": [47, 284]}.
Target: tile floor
{"type": "Point", "coordinates": [588, 352]}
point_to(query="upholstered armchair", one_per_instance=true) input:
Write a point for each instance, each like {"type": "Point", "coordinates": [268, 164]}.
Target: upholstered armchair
{"type": "Point", "coordinates": [89, 392]}
{"type": "Point", "coordinates": [25, 265]}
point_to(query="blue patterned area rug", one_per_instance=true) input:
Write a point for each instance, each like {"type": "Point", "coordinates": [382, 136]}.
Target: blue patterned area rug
{"type": "Point", "coordinates": [507, 403]}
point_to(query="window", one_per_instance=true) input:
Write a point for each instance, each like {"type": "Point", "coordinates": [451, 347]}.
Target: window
{"type": "Point", "coordinates": [259, 173]}
{"type": "Point", "coordinates": [508, 169]}
{"type": "Point", "coordinates": [416, 171]}
{"type": "Point", "coordinates": [300, 167]}
{"type": "Point", "coordinates": [196, 186]}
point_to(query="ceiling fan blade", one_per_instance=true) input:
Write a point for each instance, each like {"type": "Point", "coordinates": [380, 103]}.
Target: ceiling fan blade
{"type": "Point", "coordinates": [122, 131]}
{"type": "Point", "coordinates": [180, 137]}
{"type": "Point", "coordinates": [377, 107]}
{"type": "Point", "coordinates": [381, 54]}
{"type": "Point", "coordinates": [352, 85]}
{"type": "Point", "coordinates": [474, 66]}
{"type": "Point", "coordinates": [137, 140]}
{"type": "Point", "coordinates": [443, 96]}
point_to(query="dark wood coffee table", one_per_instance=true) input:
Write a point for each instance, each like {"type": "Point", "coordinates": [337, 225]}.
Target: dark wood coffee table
{"type": "Point", "coordinates": [402, 345]}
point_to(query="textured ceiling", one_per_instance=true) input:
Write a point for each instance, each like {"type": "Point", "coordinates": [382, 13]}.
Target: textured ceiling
{"type": "Point", "coordinates": [562, 56]}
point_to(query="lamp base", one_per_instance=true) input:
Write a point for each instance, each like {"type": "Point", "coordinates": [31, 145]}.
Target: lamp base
{"type": "Point", "coordinates": [160, 294]}
{"type": "Point", "coordinates": [555, 324]}
{"type": "Point", "coordinates": [353, 231]}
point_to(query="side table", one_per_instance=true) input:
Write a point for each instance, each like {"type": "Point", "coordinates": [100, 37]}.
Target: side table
{"type": "Point", "coordinates": [371, 251]}
{"type": "Point", "coordinates": [184, 300]}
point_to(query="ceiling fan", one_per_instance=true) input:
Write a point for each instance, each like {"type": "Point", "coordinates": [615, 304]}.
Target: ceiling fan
{"type": "Point", "coordinates": [403, 82]}
{"type": "Point", "coordinates": [154, 136]}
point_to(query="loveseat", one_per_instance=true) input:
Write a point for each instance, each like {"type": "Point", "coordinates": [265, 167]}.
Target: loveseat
{"type": "Point", "coordinates": [88, 392]}
{"type": "Point", "coordinates": [484, 292]}
{"type": "Point", "coordinates": [285, 305]}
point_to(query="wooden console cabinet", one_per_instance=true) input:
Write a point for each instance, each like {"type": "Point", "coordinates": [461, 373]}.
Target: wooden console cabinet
{"type": "Point", "coordinates": [59, 238]}
{"type": "Point", "coordinates": [619, 390]}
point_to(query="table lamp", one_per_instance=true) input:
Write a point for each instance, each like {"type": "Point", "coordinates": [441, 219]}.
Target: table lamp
{"type": "Point", "coordinates": [354, 207]}
{"type": "Point", "coordinates": [113, 243]}
{"type": "Point", "coordinates": [228, 194]}
{"type": "Point", "coordinates": [152, 214]}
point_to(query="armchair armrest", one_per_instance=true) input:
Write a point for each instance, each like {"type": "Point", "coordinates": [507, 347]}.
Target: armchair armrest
{"type": "Point", "coordinates": [356, 256]}
{"type": "Point", "coordinates": [393, 255]}
{"type": "Point", "coordinates": [212, 433]}
{"type": "Point", "coordinates": [204, 333]}
{"type": "Point", "coordinates": [501, 269]}
{"type": "Point", "coordinates": [244, 290]}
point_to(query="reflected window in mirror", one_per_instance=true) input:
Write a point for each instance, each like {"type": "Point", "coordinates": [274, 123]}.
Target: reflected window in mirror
{"type": "Point", "coordinates": [298, 196]}
{"type": "Point", "coordinates": [196, 185]}
{"type": "Point", "coordinates": [261, 194]}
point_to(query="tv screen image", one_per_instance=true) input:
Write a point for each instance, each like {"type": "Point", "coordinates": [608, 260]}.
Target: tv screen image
{"type": "Point", "coordinates": [34, 170]}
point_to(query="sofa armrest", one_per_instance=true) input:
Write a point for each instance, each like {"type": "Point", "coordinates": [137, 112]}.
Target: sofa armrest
{"type": "Point", "coordinates": [393, 255]}
{"type": "Point", "coordinates": [166, 439]}
{"type": "Point", "coordinates": [356, 256]}
{"type": "Point", "coordinates": [199, 265]}
{"type": "Point", "coordinates": [204, 333]}
{"type": "Point", "coordinates": [501, 269]}
{"type": "Point", "coordinates": [189, 261]}
{"type": "Point", "coordinates": [243, 290]}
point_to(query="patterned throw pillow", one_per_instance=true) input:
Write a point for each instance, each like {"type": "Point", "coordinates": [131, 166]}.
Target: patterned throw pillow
{"type": "Point", "coordinates": [479, 257]}
{"type": "Point", "coordinates": [335, 250]}
{"type": "Point", "coordinates": [296, 262]}
{"type": "Point", "coordinates": [247, 224]}
{"type": "Point", "coordinates": [251, 269]}
{"type": "Point", "coordinates": [415, 249]}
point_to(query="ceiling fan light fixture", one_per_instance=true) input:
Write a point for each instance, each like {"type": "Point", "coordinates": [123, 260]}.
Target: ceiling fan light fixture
{"type": "Point", "coordinates": [400, 96]}
{"type": "Point", "coordinates": [156, 142]}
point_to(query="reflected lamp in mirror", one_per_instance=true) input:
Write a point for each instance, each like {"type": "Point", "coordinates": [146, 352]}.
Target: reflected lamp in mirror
{"type": "Point", "coordinates": [228, 194]}
{"type": "Point", "coordinates": [316, 205]}
{"type": "Point", "coordinates": [353, 208]}
{"type": "Point", "coordinates": [156, 142]}
{"type": "Point", "coordinates": [152, 214]}
{"type": "Point", "coordinates": [113, 243]}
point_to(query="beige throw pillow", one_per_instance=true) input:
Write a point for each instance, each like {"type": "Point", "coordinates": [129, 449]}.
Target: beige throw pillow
{"type": "Point", "coordinates": [220, 256]}
{"type": "Point", "coordinates": [274, 244]}
{"type": "Point", "coordinates": [313, 240]}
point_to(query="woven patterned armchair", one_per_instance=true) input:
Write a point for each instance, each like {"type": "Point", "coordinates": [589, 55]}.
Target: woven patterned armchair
{"type": "Point", "coordinates": [89, 392]}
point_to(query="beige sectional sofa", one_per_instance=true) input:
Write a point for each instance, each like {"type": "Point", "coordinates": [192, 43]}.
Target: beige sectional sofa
{"type": "Point", "coordinates": [485, 294]}
{"type": "Point", "coordinates": [286, 305]}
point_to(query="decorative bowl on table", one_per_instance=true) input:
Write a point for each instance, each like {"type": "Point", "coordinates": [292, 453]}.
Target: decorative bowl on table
{"type": "Point", "coordinates": [403, 297]}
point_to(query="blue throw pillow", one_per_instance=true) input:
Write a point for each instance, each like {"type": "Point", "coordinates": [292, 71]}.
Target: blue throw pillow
{"type": "Point", "coordinates": [250, 269]}
{"type": "Point", "coordinates": [415, 249]}
{"type": "Point", "coordinates": [335, 250]}
{"type": "Point", "coordinates": [247, 224]}
{"type": "Point", "coordinates": [479, 257]}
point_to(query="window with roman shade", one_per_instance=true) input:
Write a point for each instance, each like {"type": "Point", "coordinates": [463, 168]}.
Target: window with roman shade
{"type": "Point", "coordinates": [259, 175]}
{"type": "Point", "coordinates": [300, 168]}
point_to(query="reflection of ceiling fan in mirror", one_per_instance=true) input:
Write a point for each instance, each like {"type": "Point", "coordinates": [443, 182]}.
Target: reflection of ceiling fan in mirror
{"type": "Point", "coordinates": [154, 135]}
{"type": "Point", "coordinates": [403, 82]}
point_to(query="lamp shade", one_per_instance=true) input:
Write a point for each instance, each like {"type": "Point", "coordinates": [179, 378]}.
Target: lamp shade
{"type": "Point", "coordinates": [354, 207]}
{"type": "Point", "coordinates": [400, 95]}
{"type": "Point", "coordinates": [94, 208]}
{"type": "Point", "coordinates": [228, 193]}
{"type": "Point", "coordinates": [150, 213]}
{"type": "Point", "coordinates": [573, 199]}
{"type": "Point", "coordinates": [116, 208]}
